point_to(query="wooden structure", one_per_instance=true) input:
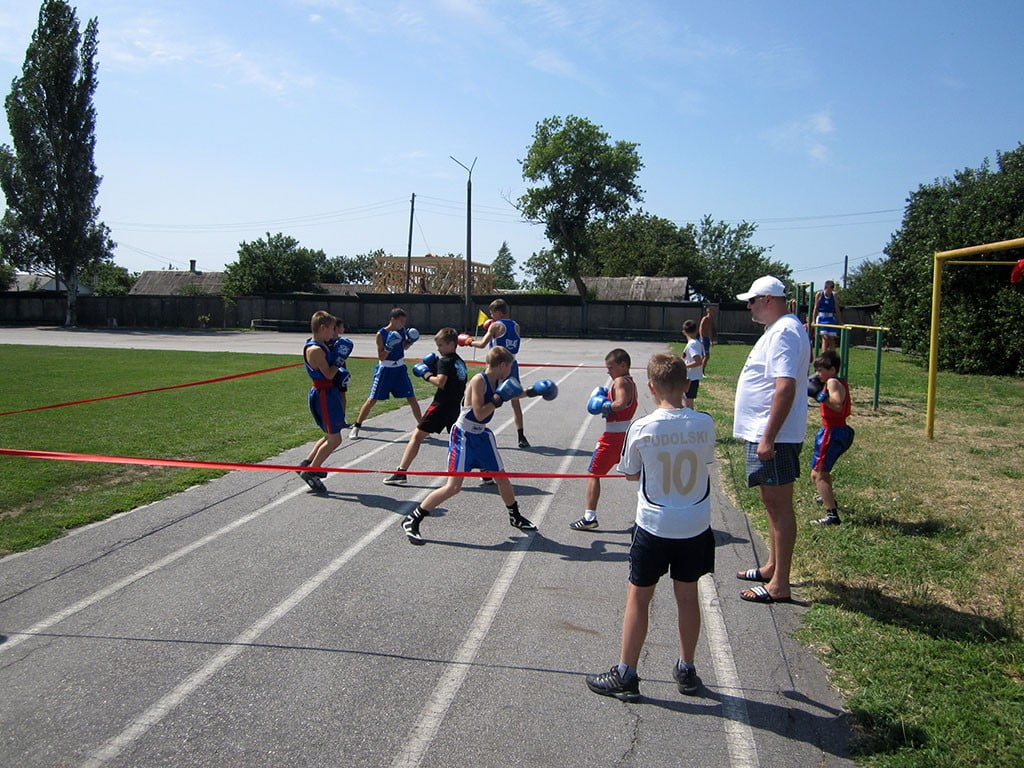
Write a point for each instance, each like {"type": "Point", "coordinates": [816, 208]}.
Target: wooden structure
{"type": "Point", "coordinates": [435, 275]}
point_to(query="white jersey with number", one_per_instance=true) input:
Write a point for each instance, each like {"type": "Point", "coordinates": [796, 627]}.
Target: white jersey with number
{"type": "Point", "coordinates": [671, 450]}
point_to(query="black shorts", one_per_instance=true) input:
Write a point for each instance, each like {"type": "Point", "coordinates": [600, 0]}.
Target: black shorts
{"type": "Point", "coordinates": [437, 419]}
{"type": "Point", "coordinates": [651, 557]}
{"type": "Point", "coordinates": [691, 390]}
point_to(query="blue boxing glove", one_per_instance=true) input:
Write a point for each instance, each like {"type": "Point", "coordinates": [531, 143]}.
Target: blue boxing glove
{"type": "Point", "coordinates": [392, 340]}
{"type": "Point", "coordinates": [431, 361]}
{"type": "Point", "coordinates": [422, 370]}
{"type": "Point", "coordinates": [342, 378]}
{"type": "Point", "coordinates": [412, 335]}
{"type": "Point", "coordinates": [546, 388]}
{"type": "Point", "coordinates": [598, 402]}
{"type": "Point", "coordinates": [822, 396]}
{"type": "Point", "coordinates": [343, 348]}
{"type": "Point", "coordinates": [509, 389]}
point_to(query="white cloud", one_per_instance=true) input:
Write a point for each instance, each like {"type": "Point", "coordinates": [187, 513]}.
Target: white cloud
{"type": "Point", "coordinates": [806, 136]}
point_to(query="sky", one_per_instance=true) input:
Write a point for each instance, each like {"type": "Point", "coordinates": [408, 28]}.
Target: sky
{"type": "Point", "coordinates": [219, 122]}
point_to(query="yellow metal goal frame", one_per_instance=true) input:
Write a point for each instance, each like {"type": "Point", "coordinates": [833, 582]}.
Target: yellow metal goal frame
{"type": "Point", "coordinates": [948, 257]}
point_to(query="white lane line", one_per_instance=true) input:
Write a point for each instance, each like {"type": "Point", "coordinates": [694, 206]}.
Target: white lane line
{"type": "Point", "coordinates": [739, 737]}
{"type": "Point", "coordinates": [144, 722]}
{"type": "Point", "coordinates": [16, 638]}
{"type": "Point", "coordinates": [430, 718]}
{"type": "Point", "coordinates": [141, 724]}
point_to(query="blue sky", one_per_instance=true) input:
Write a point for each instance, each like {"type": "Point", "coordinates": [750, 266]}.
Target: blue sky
{"type": "Point", "coordinates": [221, 121]}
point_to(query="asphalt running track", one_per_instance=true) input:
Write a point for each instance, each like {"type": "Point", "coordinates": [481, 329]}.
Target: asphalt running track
{"type": "Point", "coordinates": [248, 622]}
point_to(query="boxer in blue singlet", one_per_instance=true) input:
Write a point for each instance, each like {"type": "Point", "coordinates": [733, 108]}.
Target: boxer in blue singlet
{"type": "Point", "coordinates": [471, 444]}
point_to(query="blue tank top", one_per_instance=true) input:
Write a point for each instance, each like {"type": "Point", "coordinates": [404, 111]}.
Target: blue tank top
{"type": "Point", "coordinates": [398, 353]}
{"type": "Point", "coordinates": [510, 339]}
{"type": "Point", "coordinates": [827, 304]}
{"type": "Point", "coordinates": [467, 411]}
{"type": "Point", "coordinates": [314, 373]}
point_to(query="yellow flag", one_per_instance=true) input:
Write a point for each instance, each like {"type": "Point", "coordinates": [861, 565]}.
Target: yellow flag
{"type": "Point", "coordinates": [481, 318]}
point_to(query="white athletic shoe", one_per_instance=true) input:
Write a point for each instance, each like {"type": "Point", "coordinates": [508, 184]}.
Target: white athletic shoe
{"type": "Point", "coordinates": [353, 433]}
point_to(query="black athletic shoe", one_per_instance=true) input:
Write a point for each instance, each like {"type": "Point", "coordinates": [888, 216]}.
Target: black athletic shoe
{"type": "Point", "coordinates": [411, 526]}
{"type": "Point", "coordinates": [523, 442]}
{"type": "Point", "coordinates": [687, 679]}
{"type": "Point", "coordinates": [395, 479]}
{"type": "Point", "coordinates": [829, 519]}
{"type": "Point", "coordinates": [584, 525]}
{"type": "Point", "coordinates": [313, 481]}
{"type": "Point", "coordinates": [610, 683]}
{"type": "Point", "coordinates": [487, 481]}
{"type": "Point", "coordinates": [516, 520]}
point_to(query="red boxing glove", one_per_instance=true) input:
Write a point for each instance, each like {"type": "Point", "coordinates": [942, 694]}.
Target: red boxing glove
{"type": "Point", "coordinates": [465, 339]}
{"type": "Point", "coordinates": [487, 324]}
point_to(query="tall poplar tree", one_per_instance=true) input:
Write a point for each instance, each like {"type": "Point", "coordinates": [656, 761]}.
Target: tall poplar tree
{"type": "Point", "coordinates": [49, 178]}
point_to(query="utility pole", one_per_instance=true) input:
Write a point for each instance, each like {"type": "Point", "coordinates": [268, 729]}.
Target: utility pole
{"type": "Point", "coordinates": [408, 252]}
{"type": "Point", "coordinates": [846, 268]}
{"type": "Point", "coordinates": [470, 319]}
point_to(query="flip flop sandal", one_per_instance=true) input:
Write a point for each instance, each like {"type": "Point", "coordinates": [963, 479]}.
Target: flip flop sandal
{"type": "Point", "coordinates": [754, 574]}
{"type": "Point", "coordinates": [760, 594]}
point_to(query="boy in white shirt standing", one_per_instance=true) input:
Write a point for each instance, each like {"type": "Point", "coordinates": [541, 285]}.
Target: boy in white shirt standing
{"type": "Point", "coordinates": [693, 357]}
{"type": "Point", "coordinates": [669, 452]}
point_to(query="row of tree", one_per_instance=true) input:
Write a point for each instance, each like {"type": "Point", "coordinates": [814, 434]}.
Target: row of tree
{"type": "Point", "coordinates": [584, 190]}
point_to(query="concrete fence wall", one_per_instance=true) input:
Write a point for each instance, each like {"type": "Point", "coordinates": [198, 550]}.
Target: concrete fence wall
{"type": "Point", "coordinates": [542, 316]}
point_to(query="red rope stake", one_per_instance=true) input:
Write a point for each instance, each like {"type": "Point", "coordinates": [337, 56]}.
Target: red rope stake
{"type": "Point", "coordinates": [230, 466]}
{"type": "Point", "coordinates": [155, 389]}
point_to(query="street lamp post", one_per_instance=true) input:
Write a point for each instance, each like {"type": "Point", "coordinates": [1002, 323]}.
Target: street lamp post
{"type": "Point", "coordinates": [470, 324]}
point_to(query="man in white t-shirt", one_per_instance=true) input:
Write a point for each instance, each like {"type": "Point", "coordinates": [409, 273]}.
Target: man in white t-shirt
{"type": "Point", "coordinates": [770, 415]}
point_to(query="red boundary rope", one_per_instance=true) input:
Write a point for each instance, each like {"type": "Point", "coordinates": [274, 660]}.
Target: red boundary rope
{"type": "Point", "coordinates": [227, 466]}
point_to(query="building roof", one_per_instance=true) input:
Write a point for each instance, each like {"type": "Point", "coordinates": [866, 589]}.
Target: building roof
{"type": "Point", "coordinates": [635, 288]}
{"type": "Point", "coordinates": [175, 282]}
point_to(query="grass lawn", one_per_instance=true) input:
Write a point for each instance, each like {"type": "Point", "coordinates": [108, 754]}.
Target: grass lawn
{"type": "Point", "coordinates": [256, 417]}
{"type": "Point", "coordinates": [917, 597]}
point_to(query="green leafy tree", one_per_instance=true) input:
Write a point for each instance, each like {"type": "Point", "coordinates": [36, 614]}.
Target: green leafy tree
{"type": "Point", "coordinates": [504, 269]}
{"type": "Point", "coordinates": [545, 272]}
{"type": "Point", "coordinates": [728, 261]}
{"type": "Point", "coordinates": [864, 284]}
{"type": "Point", "coordinates": [644, 244]}
{"type": "Point", "coordinates": [581, 179]}
{"type": "Point", "coordinates": [49, 177]}
{"type": "Point", "coordinates": [6, 275]}
{"type": "Point", "coordinates": [357, 270]}
{"type": "Point", "coordinates": [981, 309]}
{"type": "Point", "coordinates": [108, 279]}
{"type": "Point", "coordinates": [274, 265]}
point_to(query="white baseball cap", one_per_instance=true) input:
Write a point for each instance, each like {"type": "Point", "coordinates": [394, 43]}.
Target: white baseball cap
{"type": "Point", "coordinates": [764, 286]}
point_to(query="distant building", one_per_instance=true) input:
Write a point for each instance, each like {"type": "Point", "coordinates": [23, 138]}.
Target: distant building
{"type": "Point", "coordinates": [175, 282]}
{"type": "Point", "coordinates": [635, 288]}
{"type": "Point", "coordinates": [24, 282]}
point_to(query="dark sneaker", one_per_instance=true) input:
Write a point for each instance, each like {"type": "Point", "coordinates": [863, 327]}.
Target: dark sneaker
{"type": "Point", "coordinates": [516, 520]}
{"type": "Point", "coordinates": [411, 526]}
{"type": "Point", "coordinates": [611, 684]}
{"type": "Point", "coordinates": [583, 524]}
{"type": "Point", "coordinates": [687, 679]}
{"type": "Point", "coordinates": [487, 481]}
{"type": "Point", "coordinates": [313, 481]}
{"type": "Point", "coordinates": [395, 479]}
{"type": "Point", "coordinates": [523, 442]}
{"type": "Point", "coordinates": [828, 519]}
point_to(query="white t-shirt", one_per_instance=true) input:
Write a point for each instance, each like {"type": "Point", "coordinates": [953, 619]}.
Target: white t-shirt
{"type": "Point", "coordinates": [672, 451]}
{"type": "Point", "coordinates": [783, 351]}
{"type": "Point", "coordinates": [694, 349]}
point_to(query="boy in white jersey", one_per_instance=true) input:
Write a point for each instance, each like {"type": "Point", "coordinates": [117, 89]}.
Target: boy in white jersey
{"type": "Point", "coordinates": [669, 452]}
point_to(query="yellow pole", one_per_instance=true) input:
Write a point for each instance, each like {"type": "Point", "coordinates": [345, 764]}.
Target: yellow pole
{"type": "Point", "coordinates": [933, 348]}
